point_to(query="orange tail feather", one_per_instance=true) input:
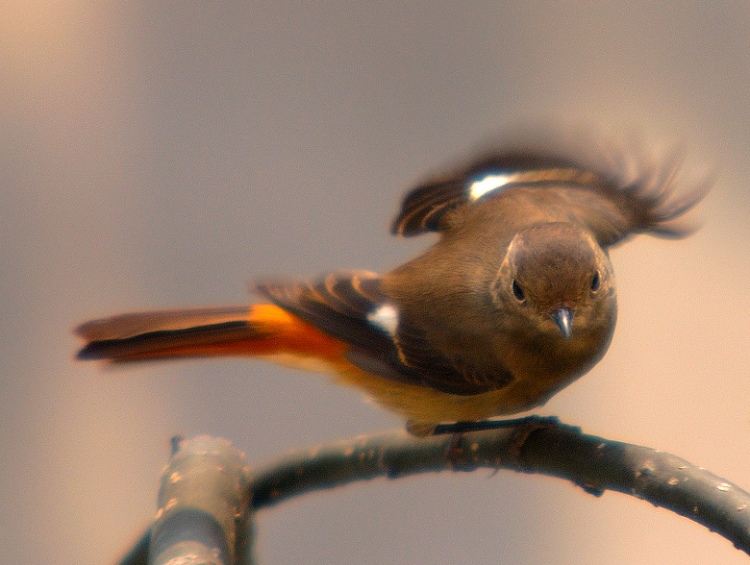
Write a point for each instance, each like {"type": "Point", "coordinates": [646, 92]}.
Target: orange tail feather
{"type": "Point", "coordinates": [258, 330]}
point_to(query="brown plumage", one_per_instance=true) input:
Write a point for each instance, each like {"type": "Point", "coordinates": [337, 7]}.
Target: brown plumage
{"type": "Point", "coordinates": [515, 300]}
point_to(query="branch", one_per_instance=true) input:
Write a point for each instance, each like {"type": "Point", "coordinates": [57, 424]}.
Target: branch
{"type": "Point", "coordinates": [530, 445]}
{"type": "Point", "coordinates": [203, 506]}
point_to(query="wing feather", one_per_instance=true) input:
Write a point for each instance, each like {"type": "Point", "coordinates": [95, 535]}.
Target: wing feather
{"type": "Point", "coordinates": [614, 190]}
{"type": "Point", "coordinates": [342, 305]}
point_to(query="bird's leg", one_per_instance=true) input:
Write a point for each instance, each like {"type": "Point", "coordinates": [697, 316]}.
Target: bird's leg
{"type": "Point", "coordinates": [463, 427]}
{"type": "Point", "coordinates": [522, 429]}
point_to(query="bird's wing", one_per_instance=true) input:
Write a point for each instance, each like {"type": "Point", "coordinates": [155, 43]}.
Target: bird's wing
{"type": "Point", "coordinates": [350, 306]}
{"type": "Point", "coordinates": [613, 191]}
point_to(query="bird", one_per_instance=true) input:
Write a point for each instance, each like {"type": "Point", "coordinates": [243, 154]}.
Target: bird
{"type": "Point", "coordinates": [514, 301]}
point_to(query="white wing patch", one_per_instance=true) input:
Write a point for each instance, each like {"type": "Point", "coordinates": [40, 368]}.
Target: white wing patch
{"type": "Point", "coordinates": [487, 184]}
{"type": "Point", "coordinates": [491, 182]}
{"type": "Point", "coordinates": [385, 317]}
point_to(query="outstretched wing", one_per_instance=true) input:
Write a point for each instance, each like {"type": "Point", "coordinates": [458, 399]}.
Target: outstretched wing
{"type": "Point", "coordinates": [611, 190]}
{"type": "Point", "coordinates": [350, 306]}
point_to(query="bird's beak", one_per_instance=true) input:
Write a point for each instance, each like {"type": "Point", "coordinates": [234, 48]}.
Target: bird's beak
{"type": "Point", "coordinates": [563, 317]}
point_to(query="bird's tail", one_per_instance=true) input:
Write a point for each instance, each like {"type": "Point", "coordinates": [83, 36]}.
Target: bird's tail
{"type": "Point", "coordinates": [261, 330]}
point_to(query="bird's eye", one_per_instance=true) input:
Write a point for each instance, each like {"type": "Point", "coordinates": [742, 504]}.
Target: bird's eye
{"type": "Point", "coordinates": [596, 281]}
{"type": "Point", "coordinates": [518, 291]}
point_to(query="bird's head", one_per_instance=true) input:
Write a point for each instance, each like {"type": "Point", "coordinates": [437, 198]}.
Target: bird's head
{"type": "Point", "coordinates": [557, 280]}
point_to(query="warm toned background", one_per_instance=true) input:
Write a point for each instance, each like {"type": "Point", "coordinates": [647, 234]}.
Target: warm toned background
{"type": "Point", "coordinates": [163, 156]}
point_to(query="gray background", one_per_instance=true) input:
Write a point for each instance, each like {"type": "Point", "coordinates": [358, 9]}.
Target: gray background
{"type": "Point", "coordinates": [157, 156]}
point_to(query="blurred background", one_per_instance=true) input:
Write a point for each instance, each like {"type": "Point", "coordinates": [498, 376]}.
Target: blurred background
{"type": "Point", "coordinates": [163, 154]}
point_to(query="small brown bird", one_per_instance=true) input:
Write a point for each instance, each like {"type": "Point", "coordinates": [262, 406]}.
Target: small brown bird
{"type": "Point", "coordinates": [515, 301]}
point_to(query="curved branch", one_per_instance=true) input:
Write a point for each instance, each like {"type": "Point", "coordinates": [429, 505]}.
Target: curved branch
{"type": "Point", "coordinates": [531, 445]}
